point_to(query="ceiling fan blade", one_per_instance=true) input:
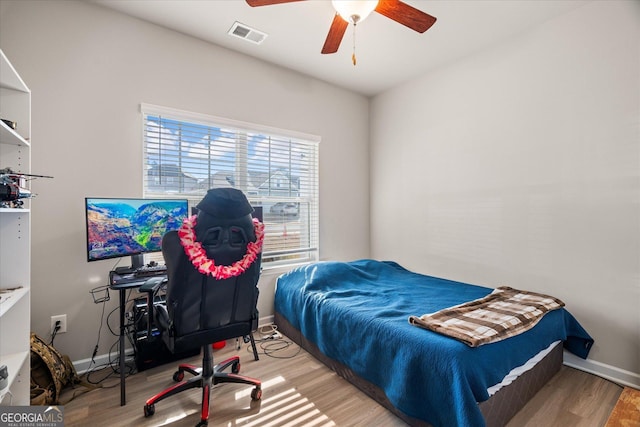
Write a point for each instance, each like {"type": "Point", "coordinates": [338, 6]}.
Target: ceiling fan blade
{"type": "Point", "coordinates": [336, 32]}
{"type": "Point", "coordinates": [406, 15]}
{"type": "Point", "coordinates": [255, 3]}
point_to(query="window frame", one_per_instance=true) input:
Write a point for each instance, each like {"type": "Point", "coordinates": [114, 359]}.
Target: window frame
{"type": "Point", "coordinates": [244, 131]}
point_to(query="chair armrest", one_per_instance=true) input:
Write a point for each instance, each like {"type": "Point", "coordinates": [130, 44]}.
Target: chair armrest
{"type": "Point", "coordinates": [153, 284]}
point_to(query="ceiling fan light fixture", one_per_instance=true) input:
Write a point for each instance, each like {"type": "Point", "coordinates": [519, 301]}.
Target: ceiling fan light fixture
{"type": "Point", "coordinates": [354, 11]}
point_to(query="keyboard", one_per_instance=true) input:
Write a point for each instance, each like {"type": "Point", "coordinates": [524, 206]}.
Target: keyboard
{"type": "Point", "coordinates": [149, 271]}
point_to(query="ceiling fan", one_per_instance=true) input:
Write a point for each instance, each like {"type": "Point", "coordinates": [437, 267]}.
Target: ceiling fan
{"type": "Point", "coordinates": [356, 11]}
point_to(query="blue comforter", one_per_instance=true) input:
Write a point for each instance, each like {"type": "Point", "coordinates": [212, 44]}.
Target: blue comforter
{"type": "Point", "coordinates": [356, 313]}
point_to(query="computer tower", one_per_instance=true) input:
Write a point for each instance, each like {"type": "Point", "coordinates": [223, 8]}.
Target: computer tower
{"type": "Point", "coordinates": [151, 351]}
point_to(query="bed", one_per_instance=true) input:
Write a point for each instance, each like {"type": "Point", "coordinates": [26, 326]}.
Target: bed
{"type": "Point", "coordinates": [353, 316]}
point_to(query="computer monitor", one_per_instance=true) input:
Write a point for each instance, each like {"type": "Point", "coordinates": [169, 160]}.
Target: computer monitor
{"type": "Point", "coordinates": [130, 227]}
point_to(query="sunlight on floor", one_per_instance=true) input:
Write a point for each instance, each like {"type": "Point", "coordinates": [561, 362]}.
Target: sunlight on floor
{"type": "Point", "coordinates": [265, 385]}
{"type": "Point", "coordinates": [178, 417]}
{"type": "Point", "coordinates": [283, 409]}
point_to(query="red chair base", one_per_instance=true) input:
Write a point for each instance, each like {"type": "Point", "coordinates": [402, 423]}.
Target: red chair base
{"type": "Point", "coordinates": [205, 378]}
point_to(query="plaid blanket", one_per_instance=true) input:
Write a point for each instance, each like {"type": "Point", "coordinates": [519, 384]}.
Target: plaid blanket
{"type": "Point", "coordinates": [502, 314]}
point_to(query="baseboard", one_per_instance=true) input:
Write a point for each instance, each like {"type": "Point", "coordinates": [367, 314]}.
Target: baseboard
{"type": "Point", "coordinates": [611, 373]}
{"type": "Point", "coordinates": [267, 320]}
{"type": "Point", "coordinates": [83, 365]}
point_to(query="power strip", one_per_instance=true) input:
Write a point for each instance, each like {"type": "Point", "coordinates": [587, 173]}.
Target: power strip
{"type": "Point", "coordinates": [274, 336]}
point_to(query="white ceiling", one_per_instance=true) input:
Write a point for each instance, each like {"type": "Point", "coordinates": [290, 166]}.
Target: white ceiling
{"type": "Point", "coordinates": [388, 53]}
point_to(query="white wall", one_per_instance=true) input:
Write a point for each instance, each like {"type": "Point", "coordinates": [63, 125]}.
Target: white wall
{"type": "Point", "coordinates": [520, 166]}
{"type": "Point", "coordinates": [89, 69]}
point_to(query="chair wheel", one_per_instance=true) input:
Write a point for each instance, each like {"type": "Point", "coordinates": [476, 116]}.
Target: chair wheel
{"type": "Point", "coordinates": [235, 368]}
{"type": "Point", "coordinates": [256, 394]}
{"type": "Point", "coordinates": [202, 423]}
{"type": "Point", "coordinates": [149, 410]}
{"type": "Point", "coordinates": [178, 376]}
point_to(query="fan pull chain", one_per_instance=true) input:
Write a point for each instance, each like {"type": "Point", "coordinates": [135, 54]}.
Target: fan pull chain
{"type": "Point", "coordinates": [353, 55]}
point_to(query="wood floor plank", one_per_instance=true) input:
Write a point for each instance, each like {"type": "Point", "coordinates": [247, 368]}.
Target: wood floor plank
{"type": "Point", "coordinates": [571, 398]}
{"type": "Point", "coordinates": [300, 391]}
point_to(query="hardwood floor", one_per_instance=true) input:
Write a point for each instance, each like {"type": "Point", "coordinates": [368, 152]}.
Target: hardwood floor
{"type": "Point", "coordinates": [571, 398]}
{"type": "Point", "coordinates": [300, 391]}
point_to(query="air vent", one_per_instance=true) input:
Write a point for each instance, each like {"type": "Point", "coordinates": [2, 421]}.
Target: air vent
{"type": "Point", "coordinates": [246, 33]}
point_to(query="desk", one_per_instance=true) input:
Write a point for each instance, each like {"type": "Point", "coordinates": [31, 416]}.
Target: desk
{"type": "Point", "coordinates": [122, 283]}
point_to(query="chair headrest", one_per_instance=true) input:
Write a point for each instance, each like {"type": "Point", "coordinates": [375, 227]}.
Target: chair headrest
{"type": "Point", "coordinates": [225, 203]}
{"type": "Point", "coordinates": [207, 226]}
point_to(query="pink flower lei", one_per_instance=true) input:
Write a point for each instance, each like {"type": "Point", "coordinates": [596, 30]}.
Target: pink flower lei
{"type": "Point", "coordinates": [198, 256]}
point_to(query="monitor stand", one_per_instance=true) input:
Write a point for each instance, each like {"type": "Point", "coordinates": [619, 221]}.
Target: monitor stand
{"type": "Point", "coordinates": [137, 261]}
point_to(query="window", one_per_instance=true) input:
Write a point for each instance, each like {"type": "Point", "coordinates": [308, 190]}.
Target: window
{"type": "Point", "coordinates": [186, 154]}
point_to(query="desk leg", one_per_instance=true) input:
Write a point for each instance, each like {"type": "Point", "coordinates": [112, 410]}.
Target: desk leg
{"type": "Point", "coordinates": [123, 398]}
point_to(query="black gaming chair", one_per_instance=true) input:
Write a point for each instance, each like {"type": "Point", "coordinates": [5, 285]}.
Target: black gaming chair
{"type": "Point", "coordinates": [200, 309]}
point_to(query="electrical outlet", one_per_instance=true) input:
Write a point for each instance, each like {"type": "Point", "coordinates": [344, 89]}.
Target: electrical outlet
{"type": "Point", "coordinates": [62, 318]}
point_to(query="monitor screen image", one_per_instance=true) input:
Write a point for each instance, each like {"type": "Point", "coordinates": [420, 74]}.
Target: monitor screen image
{"type": "Point", "coordinates": [130, 227]}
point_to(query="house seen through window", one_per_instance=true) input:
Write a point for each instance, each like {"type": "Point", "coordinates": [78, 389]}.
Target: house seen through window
{"type": "Point", "coordinates": [186, 154]}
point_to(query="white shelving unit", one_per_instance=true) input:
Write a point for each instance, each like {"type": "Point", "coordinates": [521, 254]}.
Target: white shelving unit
{"type": "Point", "coordinates": [15, 240]}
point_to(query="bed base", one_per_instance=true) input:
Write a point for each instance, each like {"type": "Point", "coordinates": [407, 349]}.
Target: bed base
{"type": "Point", "coordinates": [497, 411]}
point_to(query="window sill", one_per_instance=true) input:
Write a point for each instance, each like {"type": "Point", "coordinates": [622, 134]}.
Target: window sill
{"type": "Point", "coordinates": [279, 269]}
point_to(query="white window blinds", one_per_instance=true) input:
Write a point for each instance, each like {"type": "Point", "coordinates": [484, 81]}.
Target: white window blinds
{"type": "Point", "coordinates": [186, 154]}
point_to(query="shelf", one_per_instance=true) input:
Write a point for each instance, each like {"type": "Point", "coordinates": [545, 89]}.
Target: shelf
{"type": "Point", "coordinates": [14, 362]}
{"type": "Point", "coordinates": [15, 210]}
{"type": "Point", "coordinates": [9, 299]}
{"type": "Point", "coordinates": [9, 78]}
{"type": "Point", "coordinates": [10, 136]}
